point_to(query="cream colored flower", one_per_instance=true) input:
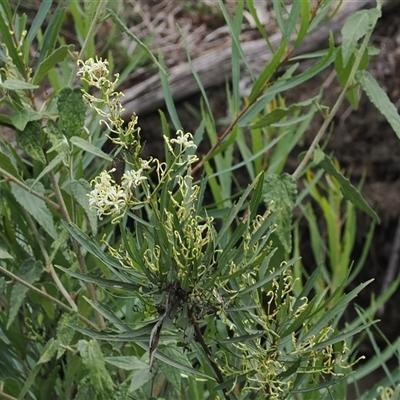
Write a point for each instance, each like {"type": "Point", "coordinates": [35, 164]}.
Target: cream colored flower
{"type": "Point", "coordinates": [107, 197]}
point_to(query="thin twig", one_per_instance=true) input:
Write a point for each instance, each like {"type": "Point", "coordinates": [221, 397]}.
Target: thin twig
{"type": "Point", "coordinates": [49, 265]}
{"type": "Point", "coordinates": [41, 196]}
{"type": "Point", "coordinates": [7, 396]}
{"type": "Point", "coordinates": [334, 110]}
{"type": "Point", "coordinates": [47, 296]}
{"type": "Point", "coordinates": [203, 344]}
{"type": "Point", "coordinates": [76, 247]}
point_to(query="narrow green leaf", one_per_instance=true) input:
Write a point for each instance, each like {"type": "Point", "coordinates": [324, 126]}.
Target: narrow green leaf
{"type": "Point", "coordinates": [128, 32]}
{"type": "Point", "coordinates": [167, 94]}
{"type": "Point", "coordinates": [380, 99]}
{"type": "Point", "coordinates": [93, 247]}
{"type": "Point", "coordinates": [30, 271]}
{"type": "Point", "coordinates": [342, 336]}
{"type": "Point", "coordinates": [50, 62]}
{"type": "Point", "coordinates": [291, 20]}
{"type": "Point", "coordinates": [29, 140]}
{"type": "Point", "coordinates": [48, 388]}
{"type": "Point", "coordinates": [36, 207]}
{"type": "Point", "coordinates": [123, 327]}
{"type": "Point", "coordinates": [15, 84]}
{"type": "Point", "coordinates": [348, 190]}
{"type": "Point", "coordinates": [233, 213]}
{"type": "Point", "coordinates": [5, 120]}
{"type": "Point", "coordinates": [305, 21]}
{"type": "Point", "coordinates": [331, 313]}
{"type": "Point", "coordinates": [90, 148]}
{"type": "Point", "coordinates": [47, 354]}
{"type": "Point", "coordinates": [6, 8]}
{"type": "Point", "coordinates": [127, 363]}
{"type": "Point", "coordinates": [267, 279]}
{"type": "Point", "coordinates": [268, 71]}
{"type": "Point", "coordinates": [39, 19]}
{"type": "Point", "coordinates": [8, 166]}
{"type": "Point", "coordinates": [72, 111]}
{"type": "Point", "coordinates": [260, 27]}
{"type": "Point", "coordinates": [80, 190]}
{"type": "Point", "coordinates": [10, 45]}
{"type": "Point", "coordinates": [280, 193]}
{"type": "Point", "coordinates": [110, 283]}
{"type": "Point", "coordinates": [51, 35]}
{"type": "Point", "coordinates": [50, 167]}
{"type": "Point", "coordinates": [356, 27]}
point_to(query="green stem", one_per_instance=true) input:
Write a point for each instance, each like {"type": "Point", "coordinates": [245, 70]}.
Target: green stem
{"type": "Point", "coordinates": [47, 296]}
{"type": "Point", "coordinates": [335, 108]}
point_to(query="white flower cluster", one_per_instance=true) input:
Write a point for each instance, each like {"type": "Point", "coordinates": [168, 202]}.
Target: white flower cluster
{"type": "Point", "coordinates": [184, 142]}
{"type": "Point", "coordinates": [110, 198]}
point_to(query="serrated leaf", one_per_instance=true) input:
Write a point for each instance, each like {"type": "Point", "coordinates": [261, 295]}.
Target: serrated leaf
{"type": "Point", "coordinates": [90, 148]}
{"type": "Point", "coordinates": [30, 271]}
{"type": "Point", "coordinates": [347, 189]}
{"type": "Point", "coordinates": [356, 27]}
{"type": "Point", "coordinates": [49, 351]}
{"type": "Point", "coordinates": [80, 189]}
{"type": "Point", "coordinates": [15, 84]}
{"type": "Point", "coordinates": [280, 196]}
{"type": "Point", "coordinates": [51, 61]}
{"type": "Point", "coordinates": [380, 99]}
{"type": "Point", "coordinates": [97, 374]}
{"type": "Point", "coordinates": [21, 118]}
{"type": "Point", "coordinates": [36, 207]}
{"type": "Point", "coordinates": [72, 111]}
{"type": "Point", "coordinates": [29, 140]}
{"type": "Point", "coordinates": [128, 363]}
{"type": "Point", "coordinates": [65, 332]}
{"type": "Point", "coordinates": [86, 391]}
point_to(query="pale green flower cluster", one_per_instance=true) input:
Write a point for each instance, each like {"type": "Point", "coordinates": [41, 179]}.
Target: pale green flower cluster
{"type": "Point", "coordinates": [387, 393]}
{"type": "Point", "coordinates": [96, 74]}
{"type": "Point", "coordinates": [110, 198]}
{"type": "Point", "coordinates": [266, 362]}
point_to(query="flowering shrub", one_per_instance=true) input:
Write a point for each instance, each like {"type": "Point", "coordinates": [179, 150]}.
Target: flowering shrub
{"type": "Point", "coordinates": [221, 294]}
{"type": "Point", "coordinates": [163, 283]}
